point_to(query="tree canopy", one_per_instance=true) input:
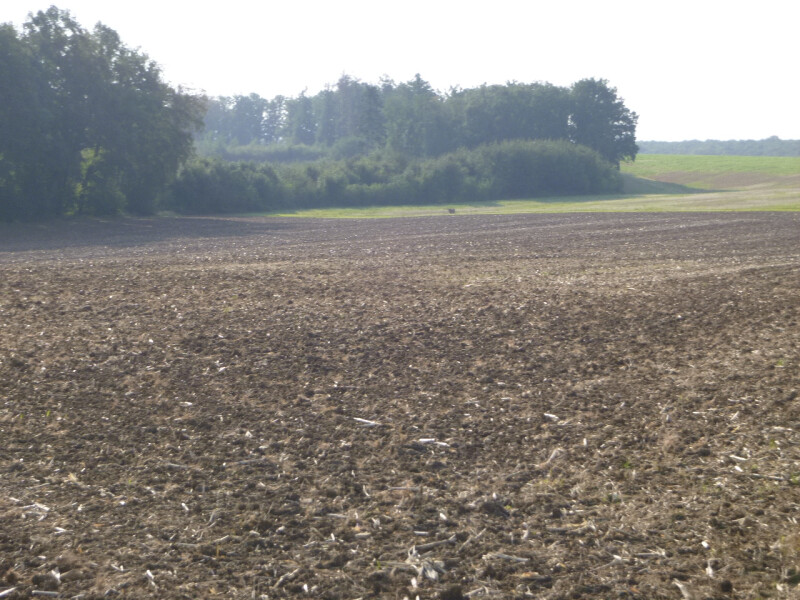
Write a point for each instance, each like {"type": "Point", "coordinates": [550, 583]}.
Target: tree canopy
{"type": "Point", "coordinates": [411, 118]}
{"type": "Point", "coordinates": [87, 125]}
{"type": "Point", "coordinates": [357, 144]}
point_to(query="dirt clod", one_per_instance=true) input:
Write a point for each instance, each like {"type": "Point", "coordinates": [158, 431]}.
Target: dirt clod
{"type": "Point", "coordinates": [547, 406]}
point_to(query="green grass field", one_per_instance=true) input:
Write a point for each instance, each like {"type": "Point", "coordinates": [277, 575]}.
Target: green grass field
{"type": "Point", "coordinates": [654, 183]}
{"type": "Point", "coordinates": [711, 172]}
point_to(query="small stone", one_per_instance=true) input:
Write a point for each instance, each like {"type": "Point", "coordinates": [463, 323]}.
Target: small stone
{"type": "Point", "coordinates": [452, 593]}
{"type": "Point", "coordinates": [68, 561]}
{"type": "Point", "coordinates": [75, 575]}
{"type": "Point", "coordinates": [496, 509]}
{"type": "Point", "coordinates": [47, 583]}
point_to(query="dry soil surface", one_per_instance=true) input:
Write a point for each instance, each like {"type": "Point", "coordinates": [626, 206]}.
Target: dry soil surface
{"type": "Point", "coordinates": [537, 406]}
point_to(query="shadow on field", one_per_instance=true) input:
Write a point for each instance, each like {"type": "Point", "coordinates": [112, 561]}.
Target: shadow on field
{"type": "Point", "coordinates": [123, 232]}
{"type": "Point", "coordinates": [640, 185]}
{"type": "Point", "coordinates": [444, 208]}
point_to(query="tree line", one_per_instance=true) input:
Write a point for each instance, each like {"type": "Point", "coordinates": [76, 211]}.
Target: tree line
{"type": "Point", "coordinates": [505, 170]}
{"type": "Point", "coordinates": [87, 125]}
{"type": "Point", "coordinates": [772, 146]}
{"type": "Point", "coordinates": [359, 144]}
{"type": "Point", "coordinates": [410, 118]}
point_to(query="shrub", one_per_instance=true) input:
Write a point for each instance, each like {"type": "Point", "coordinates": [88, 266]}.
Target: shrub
{"type": "Point", "coordinates": [511, 169]}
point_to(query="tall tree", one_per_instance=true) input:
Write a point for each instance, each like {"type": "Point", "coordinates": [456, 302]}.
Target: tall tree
{"type": "Point", "coordinates": [104, 131]}
{"type": "Point", "coordinates": [61, 47]}
{"type": "Point", "coordinates": [545, 110]}
{"type": "Point", "coordinates": [601, 121]}
{"type": "Point", "coordinates": [490, 114]}
{"type": "Point", "coordinates": [416, 121]}
{"type": "Point", "coordinates": [371, 123]}
{"type": "Point", "coordinates": [248, 114]}
{"type": "Point", "coordinates": [300, 122]}
{"type": "Point", "coordinates": [29, 141]}
{"type": "Point", "coordinates": [274, 123]}
{"type": "Point", "coordinates": [325, 109]}
{"type": "Point", "coordinates": [348, 107]}
{"type": "Point", "coordinates": [216, 123]}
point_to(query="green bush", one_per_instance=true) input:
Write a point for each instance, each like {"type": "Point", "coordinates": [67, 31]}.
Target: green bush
{"type": "Point", "coordinates": [212, 186]}
{"type": "Point", "coordinates": [512, 169]}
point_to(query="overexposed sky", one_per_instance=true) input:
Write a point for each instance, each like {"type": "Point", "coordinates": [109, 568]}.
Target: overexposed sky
{"type": "Point", "coordinates": [691, 69]}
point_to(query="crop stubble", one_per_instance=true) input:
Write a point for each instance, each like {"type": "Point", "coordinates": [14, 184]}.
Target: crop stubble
{"type": "Point", "coordinates": [549, 406]}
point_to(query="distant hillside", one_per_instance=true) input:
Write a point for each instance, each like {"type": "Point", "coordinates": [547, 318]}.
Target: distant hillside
{"type": "Point", "coordinates": [672, 173]}
{"type": "Point", "coordinates": [773, 146]}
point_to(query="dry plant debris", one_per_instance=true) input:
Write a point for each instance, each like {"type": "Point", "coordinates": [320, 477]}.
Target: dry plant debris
{"type": "Point", "coordinates": [456, 407]}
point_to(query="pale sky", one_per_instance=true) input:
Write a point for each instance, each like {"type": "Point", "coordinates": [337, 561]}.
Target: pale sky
{"type": "Point", "coordinates": [691, 69]}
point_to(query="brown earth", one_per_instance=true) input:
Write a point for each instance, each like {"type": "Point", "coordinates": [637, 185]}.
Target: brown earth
{"type": "Point", "coordinates": [571, 406]}
{"type": "Point", "coordinates": [736, 180]}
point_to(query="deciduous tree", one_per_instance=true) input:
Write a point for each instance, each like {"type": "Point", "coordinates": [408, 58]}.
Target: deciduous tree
{"type": "Point", "coordinates": [600, 120]}
{"type": "Point", "coordinates": [89, 124]}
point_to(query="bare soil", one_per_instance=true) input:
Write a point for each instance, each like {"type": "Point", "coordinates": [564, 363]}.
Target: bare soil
{"type": "Point", "coordinates": [538, 406]}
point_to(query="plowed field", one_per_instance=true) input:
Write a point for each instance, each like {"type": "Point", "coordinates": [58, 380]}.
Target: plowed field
{"type": "Point", "coordinates": [539, 406]}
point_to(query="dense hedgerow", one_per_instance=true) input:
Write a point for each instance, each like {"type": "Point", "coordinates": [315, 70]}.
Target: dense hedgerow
{"type": "Point", "coordinates": [506, 170]}
{"type": "Point", "coordinates": [213, 186]}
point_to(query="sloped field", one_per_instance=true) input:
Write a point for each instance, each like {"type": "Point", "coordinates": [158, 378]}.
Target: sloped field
{"type": "Point", "coordinates": [537, 406]}
{"type": "Point", "coordinates": [717, 172]}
